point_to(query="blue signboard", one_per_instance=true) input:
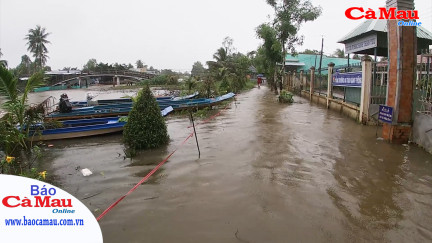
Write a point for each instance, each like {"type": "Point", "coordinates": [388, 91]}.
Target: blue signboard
{"type": "Point", "coordinates": [385, 114]}
{"type": "Point", "coordinates": [347, 79]}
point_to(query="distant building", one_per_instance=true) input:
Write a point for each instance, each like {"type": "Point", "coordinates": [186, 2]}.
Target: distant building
{"type": "Point", "coordinates": [306, 61]}
{"type": "Point", "coordinates": [141, 70]}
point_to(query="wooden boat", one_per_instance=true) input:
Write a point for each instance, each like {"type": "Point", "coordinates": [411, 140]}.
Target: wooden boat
{"type": "Point", "coordinates": [58, 87]}
{"type": "Point", "coordinates": [76, 104]}
{"type": "Point", "coordinates": [82, 128]}
{"type": "Point", "coordinates": [124, 108]}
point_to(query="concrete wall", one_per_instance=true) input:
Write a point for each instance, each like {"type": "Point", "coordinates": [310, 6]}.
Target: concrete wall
{"type": "Point", "coordinates": [421, 131]}
{"type": "Point", "coordinates": [346, 109]}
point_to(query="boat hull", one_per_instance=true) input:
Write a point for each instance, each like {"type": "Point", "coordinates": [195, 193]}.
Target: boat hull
{"type": "Point", "coordinates": [47, 137]}
{"type": "Point", "coordinates": [76, 128]}
{"type": "Point", "coordinates": [124, 108]}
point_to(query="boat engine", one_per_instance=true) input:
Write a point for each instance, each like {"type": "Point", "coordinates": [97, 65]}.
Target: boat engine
{"type": "Point", "coordinates": [64, 104]}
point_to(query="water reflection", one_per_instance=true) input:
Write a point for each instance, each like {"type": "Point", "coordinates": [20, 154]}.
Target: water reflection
{"type": "Point", "coordinates": [156, 178]}
{"type": "Point", "coordinates": [274, 173]}
{"type": "Point", "coordinates": [369, 181]}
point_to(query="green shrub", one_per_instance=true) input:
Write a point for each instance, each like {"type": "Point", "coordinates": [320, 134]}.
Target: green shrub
{"type": "Point", "coordinates": [286, 97]}
{"type": "Point", "coordinates": [158, 80]}
{"type": "Point", "coordinates": [146, 127]}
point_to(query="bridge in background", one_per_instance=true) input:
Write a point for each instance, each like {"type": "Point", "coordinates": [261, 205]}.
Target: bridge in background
{"type": "Point", "coordinates": [116, 75]}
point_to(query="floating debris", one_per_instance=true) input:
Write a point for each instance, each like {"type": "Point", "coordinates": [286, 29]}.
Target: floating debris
{"type": "Point", "coordinates": [86, 172]}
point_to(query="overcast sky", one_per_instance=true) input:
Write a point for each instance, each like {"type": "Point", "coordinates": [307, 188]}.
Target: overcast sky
{"type": "Point", "coordinates": [165, 34]}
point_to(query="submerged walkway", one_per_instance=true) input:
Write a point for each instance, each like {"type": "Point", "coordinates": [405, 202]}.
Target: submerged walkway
{"type": "Point", "coordinates": [268, 173]}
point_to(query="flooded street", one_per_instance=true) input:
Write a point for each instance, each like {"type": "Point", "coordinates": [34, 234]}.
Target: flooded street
{"type": "Point", "coordinates": [268, 173]}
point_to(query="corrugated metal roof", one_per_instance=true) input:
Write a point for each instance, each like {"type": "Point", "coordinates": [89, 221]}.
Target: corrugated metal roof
{"type": "Point", "coordinates": [379, 25]}
{"type": "Point", "coordinates": [308, 60]}
{"type": "Point", "coordinates": [424, 33]}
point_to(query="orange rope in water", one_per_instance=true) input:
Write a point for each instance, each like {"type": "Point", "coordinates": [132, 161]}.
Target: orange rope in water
{"type": "Point", "coordinates": [144, 179]}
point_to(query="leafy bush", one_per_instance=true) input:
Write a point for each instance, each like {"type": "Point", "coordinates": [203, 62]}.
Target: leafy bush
{"type": "Point", "coordinates": [158, 80]}
{"type": "Point", "coordinates": [286, 97]}
{"type": "Point", "coordinates": [146, 127]}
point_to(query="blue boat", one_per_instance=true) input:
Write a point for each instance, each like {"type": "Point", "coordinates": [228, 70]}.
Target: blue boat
{"type": "Point", "coordinates": [124, 108]}
{"type": "Point", "coordinates": [76, 104]}
{"type": "Point", "coordinates": [82, 128]}
{"type": "Point", "coordinates": [58, 87]}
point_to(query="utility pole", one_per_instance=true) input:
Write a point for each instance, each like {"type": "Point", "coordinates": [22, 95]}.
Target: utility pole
{"type": "Point", "coordinates": [322, 47]}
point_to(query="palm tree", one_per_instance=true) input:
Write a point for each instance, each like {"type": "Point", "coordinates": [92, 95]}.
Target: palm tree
{"type": "Point", "coordinates": [339, 53]}
{"type": "Point", "coordinates": [37, 38]}
{"type": "Point", "coordinates": [3, 63]}
{"type": "Point", "coordinates": [221, 55]}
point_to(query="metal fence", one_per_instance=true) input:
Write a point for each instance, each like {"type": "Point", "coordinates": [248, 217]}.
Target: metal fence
{"type": "Point", "coordinates": [320, 82]}
{"type": "Point", "coordinates": [379, 83]}
{"type": "Point", "coordinates": [423, 88]}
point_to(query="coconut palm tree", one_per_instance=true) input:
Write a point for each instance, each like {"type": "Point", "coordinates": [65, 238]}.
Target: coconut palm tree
{"type": "Point", "coordinates": [3, 63]}
{"type": "Point", "coordinates": [339, 53]}
{"type": "Point", "coordinates": [221, 55]}
{"type": "Point", "coordinates": [37, 39]}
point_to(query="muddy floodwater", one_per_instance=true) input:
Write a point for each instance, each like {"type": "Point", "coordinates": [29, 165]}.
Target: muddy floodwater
{"type": "Point", "coordinates": [268, 173]}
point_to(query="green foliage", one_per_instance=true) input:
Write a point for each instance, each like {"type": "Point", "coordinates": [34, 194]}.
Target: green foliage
{"type": "Point", "coordinates": [289, 16]}
{"type": "Point", "coordinates": [198, 70]}
{"type": "Point", "coordinates": [202, 113]}
{"type": "Point", "coordinates": [3, 63]}
{"type": "Point", "coordinates": [139, 64]}
{"type": "Point", "coordinates": [269, 54]}
{"type": "Point", "coordinates": [163, 79]}
{"type": "Point", "coordinates": [123, 119]}
{"type": "Point", "coordinates": [35, 174]}
{"type": "Point", "coordinates": [286, 97]}
{"type": "Point", "coordinates": [18, 112]}
{"type": "Point", "coordinates": [12, 165]}
{"type": "Point", "coordinates": [93, 66]}
{"type": "Point", "coordinates": [250, 84]}
{"type": "Point", "coordinates": [157, 80]}
{"type": "Point", "coordinates": [307, 51]}
{"type": "Point", "coordinates": [146, 127]}
{"type": "Point", "coordinates": [26, 68]}
{"type": "Point", "coordinates": [208, 88]}
{"type": "Point", "coordinates": [230, 69]}
{"type": "Point", "coordinates": [339, 53]}
{"type": "Point", "coordinates": [90, 65]}
{"type": "Point", "coordinates": [37, 40]}
{"type": "Point", "coordinates": [282, 34]}
{"type": "Point", "coordinates": [190, 84]}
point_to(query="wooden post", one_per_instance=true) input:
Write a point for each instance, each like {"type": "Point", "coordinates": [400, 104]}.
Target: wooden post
{"type": "Point", "coordinates": [301, 80]}
{"type": "Point", "coordinates": [304, 81]}
{"type": "Point", "coordinates": [330, 83]}
{"type": "Point", "coordinates": [365, 89]}
{"type": "Point", "coordinates": [289, 80]}
{"type": "Point", "coordinates": [312, 80]}
{"type": "Point", "coordinates": [196, 138]}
